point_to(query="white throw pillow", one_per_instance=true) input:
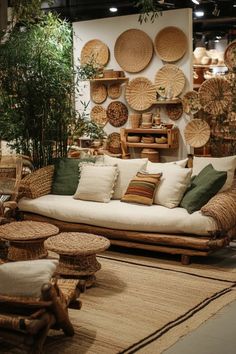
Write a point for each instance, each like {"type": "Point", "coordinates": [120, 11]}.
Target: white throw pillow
{"type": "Point", "coordinates": [227, 163]}
{"type": "Point", "coordinates": [181, 163]}
{"type": "Point", "coordinates": [127, 170]}
{"type": "Point", "coordinates": [174, 182]}
{"type": "Point", "coordinates": [96, 182]}
{"type": "Point", "coordinates": [25, 278]}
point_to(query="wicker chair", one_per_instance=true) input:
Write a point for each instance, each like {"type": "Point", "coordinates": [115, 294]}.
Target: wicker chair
{"type": "Point", "coordinates": [25, 322]}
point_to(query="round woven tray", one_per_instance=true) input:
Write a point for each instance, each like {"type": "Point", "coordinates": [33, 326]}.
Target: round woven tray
{"type": "Point", "coordinates": [98, 92]}
{"type": "Point", "coordinates": [215, 95]}
{"type": "Point", "coordinates": [98, 115]}
{"type": "Point", "coordinates": [95, 52]}
{"type": "Point", "coordinates": [197, 133]}
{"type": "Point", "coordinates": [172, 79]}
{"type": "Point", "coordinates": [114, 143]}
{"type": "Point", "coordinates": [114, 91]}
{"type": "Point", "coordinates": [117, 113]}
{"type": "Point", "coordinates": [174, 111]}
{"type": "Point", "coordinates": [191, 102]}
{"type": "Point", "coordinates": [230, 56]}
{"type": "Point", "coordinates": [140, 93]}
{"type": "Point", "coordinates": [170, 44]}
{"type": "Point", "coordinates": [133, 50]}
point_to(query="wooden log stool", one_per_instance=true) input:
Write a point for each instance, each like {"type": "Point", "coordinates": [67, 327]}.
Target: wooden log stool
{"type": "Point", "coordinates": [27, 239]}
{"type": "Point", "coordinates": [77, 253]}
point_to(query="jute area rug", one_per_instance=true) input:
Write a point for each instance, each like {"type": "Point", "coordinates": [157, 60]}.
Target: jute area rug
{"type": "Point", "coordinates": [144, 305]}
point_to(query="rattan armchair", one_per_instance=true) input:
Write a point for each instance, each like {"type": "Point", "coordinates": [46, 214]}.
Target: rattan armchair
{"type": "Point", "coordinates": [25, 322]}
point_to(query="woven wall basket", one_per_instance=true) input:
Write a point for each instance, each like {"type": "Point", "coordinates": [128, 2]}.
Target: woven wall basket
{"type": "Point", "coordinates": [174, 111]}
{"type": "Point", "coordinates": [114, 91]}
{"type": "Point", "coordinates": [114, 143]}
{"type": "Point", "coordinates": [197, 133]}
{"type": "Point", "coordinates": [98, 115]}
{"type": "Point", "coordinates": [140, 93]}
{"type": "Point", "coordinates": [96, 52]}
{"type": "Point", "coordinates": [98, 92]}
{"type": "Point", "coordinates": [117, 113]}
{"type": "Point", "coordinates": [133, 50]}
{"type": "Point", "coordinates": [191, 102]}
{"type": "Point", "coordinates": [230, 56]}
{"type": "Point", "coordinates": [172, 79]}
{"type": "Point", "coordinates": [170, 44]}
{"type": "Point", "coordinates": [215, 96]}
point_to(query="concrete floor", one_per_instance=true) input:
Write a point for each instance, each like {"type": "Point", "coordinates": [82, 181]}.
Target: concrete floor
{"type": "Point", "coordinates": [215, 336]}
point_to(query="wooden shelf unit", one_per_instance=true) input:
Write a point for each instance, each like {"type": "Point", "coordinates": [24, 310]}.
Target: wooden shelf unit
{"type": "Point", "coordinates": [110, 79]}
{"type": "Point", "coordinates": [166, 101]}
{"type": "Point", "coordinates": [171, 134]}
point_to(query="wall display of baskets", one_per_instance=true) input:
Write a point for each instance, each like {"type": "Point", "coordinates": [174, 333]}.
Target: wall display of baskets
{"type": "Point", "coordinates": [117, 113]}
{"type": "Point", "coordinates": [98, 115]}
{"type": "Point", "coordinates": [140, 93]}
{"type": "Point", "coordinates": [95, 52]}
{"type": "Point", "coordinates": [197, 133]}
{"type": "Point", "coordinates": [230, 56]}
{"type": "Point", "coordinates": [191, 102]}
{"type": "Point", "coordinates": [133, 50]}
{"type": "Point", "coordinates": [169, 81]}
{"type": "Point", "coordinates": [114, 91]}
{"type": "Point", "coordinates": [170, 44]}
{"type": "Point", "coordinates": [215, 95]}
{"type": "Point", "coordinates": [174, 111]}
{"type": "Point", "coordinates": [114, 143]}
{"type": "Point", "coordinates": [98, 92]}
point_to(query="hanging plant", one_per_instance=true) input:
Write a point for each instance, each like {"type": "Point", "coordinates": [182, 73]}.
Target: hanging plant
{"type": "Point", "coordinates": [149, 10]}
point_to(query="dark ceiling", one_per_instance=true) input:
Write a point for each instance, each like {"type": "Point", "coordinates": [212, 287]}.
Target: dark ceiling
{"type": "Point", "coordinates": [222, 20]}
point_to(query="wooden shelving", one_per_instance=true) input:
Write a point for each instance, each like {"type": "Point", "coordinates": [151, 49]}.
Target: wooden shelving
{"type": "Point", "coordinates": [165, 101]}
{"type": "Point", "coordinates": [109, 79]}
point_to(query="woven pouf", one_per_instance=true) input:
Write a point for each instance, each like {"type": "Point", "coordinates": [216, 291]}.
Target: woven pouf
{"type": "Point", "coordinates": [77, 253]}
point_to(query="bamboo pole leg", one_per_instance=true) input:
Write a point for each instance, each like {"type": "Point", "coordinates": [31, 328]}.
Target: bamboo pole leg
{"type": "Point", "coordinates": [185, 259]}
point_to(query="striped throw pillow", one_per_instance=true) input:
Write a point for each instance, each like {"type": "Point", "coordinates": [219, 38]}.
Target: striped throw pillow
{"type": "Point", "coordinates": [142, 188]}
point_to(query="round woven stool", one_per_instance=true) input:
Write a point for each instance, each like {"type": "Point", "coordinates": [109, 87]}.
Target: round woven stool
{"type": "Point", "coordinates": [27, 239]}
{"type": "Point", "coordinates": [77, 253]}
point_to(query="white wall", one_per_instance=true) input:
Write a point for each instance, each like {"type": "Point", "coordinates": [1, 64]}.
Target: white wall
{"type": "Point", "coordinates": [108, 30]}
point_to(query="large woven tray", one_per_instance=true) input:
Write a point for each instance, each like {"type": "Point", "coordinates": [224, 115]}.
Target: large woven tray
{"type": "Point", "coordinates": [98, 115]}
{"type": "Point", "coordinates": [95, 52]}
{"type": "Point", "coordinates": [133, 50]}
{"type": "Point", "coordinates": [230, 56]}
{"type": "Point", "coordinates": [140, 93]}
{"type": "Point", "coordinates": [171, 79]}
{"type": "Point", "coordinates": [117, 113]}
{"type": "Point", "coordinates": [170, 44]}
{"type": "Point", "coordinates": [215, 95]}
{"type": "Point", "coordinates": [197, 133]}
{"type": "Point", "coordinates": [98, 92]}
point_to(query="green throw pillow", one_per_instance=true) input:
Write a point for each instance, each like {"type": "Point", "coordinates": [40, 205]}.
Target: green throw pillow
{"type": "Point", "coordinates": [67, 174]}
{"type": "Point", "coordinates": [203, 187]}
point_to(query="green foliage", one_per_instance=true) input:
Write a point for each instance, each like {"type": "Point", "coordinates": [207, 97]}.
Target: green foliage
{"type": "Point", "coordinates": [26, 10]}
{"type": "Point", "coordinates": [149, 10]}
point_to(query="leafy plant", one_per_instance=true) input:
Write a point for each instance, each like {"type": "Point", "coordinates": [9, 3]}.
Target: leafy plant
{"type": "Point", "coordinates": [149, 10]}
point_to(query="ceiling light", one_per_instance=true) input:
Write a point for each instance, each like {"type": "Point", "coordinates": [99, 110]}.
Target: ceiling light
{"type": "Point", "coordinates": [199, 13]}
{"type": "Point", "coordinates": [197, 2]}
{"type": "Point", "coordinates": [113, 9]}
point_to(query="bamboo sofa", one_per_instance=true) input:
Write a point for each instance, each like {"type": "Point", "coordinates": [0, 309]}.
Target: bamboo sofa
{"type": "Point", "coordinates": [219, 217]}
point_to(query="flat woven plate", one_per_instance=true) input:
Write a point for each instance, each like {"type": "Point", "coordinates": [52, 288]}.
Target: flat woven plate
{"type": "Point", "coordinates": [191, 102]}
{"type": "Point", "coordinates": [117, 113]}
{"type": "Point", "coordinates": [114, 91]}
{"type": "Point", "coordinates": [174, 111]}
{"type": "Point", "coordinates": [230, 56]}
{"type": "Point", "coordinates": [95, 51]}
{"type": "Point", "coordinates": [171, 79]}
{"type": "Point", "coordinates": [170, 44]}
{"type": "Point", "coordinates": [197, 133]}
{"type": "Point", "coordinates": [98, 92]}
{"type": "Point", "coordinates": [98, 115]}
{"type": "Point", "coordinates": [215, 95]}
{"type": "Point", "coordinates": [114, 144]}
{"type": "Point", "coordinates": [140, 93]}
{"type": "Point", "coordinates": [133, 50]}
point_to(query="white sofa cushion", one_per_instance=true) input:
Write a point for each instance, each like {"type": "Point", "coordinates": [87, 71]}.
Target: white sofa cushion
{"type": "Point", "coordinates": [227, 163]}
{"type": "Point", "coordinates": [96, 182]}
{"type": "Point", "coordinates": [127, 170]}
{"type": "Point", "coordinates": [121, 216]}
{"type": "Point", "coordinates": [174, 182]}
{"type": "Point", "coordinates": [25, 278]}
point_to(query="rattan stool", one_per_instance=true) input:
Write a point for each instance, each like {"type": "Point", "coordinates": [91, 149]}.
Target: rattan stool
{"type": "Point", "coordinates": [77, 253]}
{"type": "Point", "coordinates": [26, 239]}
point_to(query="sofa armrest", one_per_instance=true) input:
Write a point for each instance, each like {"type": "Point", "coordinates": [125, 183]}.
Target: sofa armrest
{"type": "Point", "coordinates": [37, 183]}
{"type": "Point", "coordinates": [222, 207]}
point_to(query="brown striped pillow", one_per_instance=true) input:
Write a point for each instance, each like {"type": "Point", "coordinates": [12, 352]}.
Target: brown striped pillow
{"type": "Point", "coordinates": [142, 188]}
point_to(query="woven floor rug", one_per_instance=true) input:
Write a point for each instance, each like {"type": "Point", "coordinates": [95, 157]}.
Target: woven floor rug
{"type": "Point", "coordinates": [143, 305]}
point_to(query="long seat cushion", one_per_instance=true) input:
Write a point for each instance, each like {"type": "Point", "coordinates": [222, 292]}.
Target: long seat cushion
{"type": "Point", "coordinates": [121, 216]}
